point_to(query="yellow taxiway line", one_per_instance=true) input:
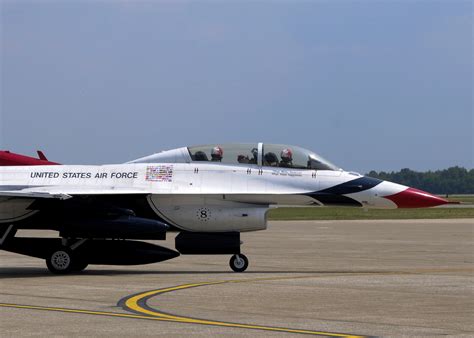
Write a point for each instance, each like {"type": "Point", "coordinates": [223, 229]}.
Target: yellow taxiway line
{"type": "Point", "coordinates": [137, 304]}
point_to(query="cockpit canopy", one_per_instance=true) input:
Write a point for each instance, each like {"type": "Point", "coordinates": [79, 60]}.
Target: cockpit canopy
{"type": "Point", "coordinates": [262, 154]}
{"type": "Point", "coordinates": [270, 155]}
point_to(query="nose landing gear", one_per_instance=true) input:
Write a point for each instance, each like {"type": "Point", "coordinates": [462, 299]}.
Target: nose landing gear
{"type": "Point", "coordinates": [206, 243]}
{"type": "Point", "coordinates": [239, 262]}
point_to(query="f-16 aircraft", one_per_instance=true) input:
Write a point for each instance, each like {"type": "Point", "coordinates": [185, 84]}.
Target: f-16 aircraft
{"type": "Point", "coordinates": [207, 194]}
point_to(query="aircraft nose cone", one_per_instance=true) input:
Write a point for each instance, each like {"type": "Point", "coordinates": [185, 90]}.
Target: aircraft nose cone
{"type": "Point", "coordinates": [414, 198]}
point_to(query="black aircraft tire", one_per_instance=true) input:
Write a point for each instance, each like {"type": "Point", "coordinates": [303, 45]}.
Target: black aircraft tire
{"type": "Point", "coordinates": [79, 265]}
{"type": "Point", "coordinates": [239, 263]}
{"type": "Point", "coordinates": [61, 261]}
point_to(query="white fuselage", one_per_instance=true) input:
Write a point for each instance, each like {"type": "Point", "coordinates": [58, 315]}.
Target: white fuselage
{"type": "Point", "coordinates": [191, 196]}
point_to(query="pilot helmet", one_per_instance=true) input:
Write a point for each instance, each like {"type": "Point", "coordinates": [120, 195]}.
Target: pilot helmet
{"type": "Point", "coordinates": [286, 155]}
{"type": "Point", "coordinates": [217, 153]}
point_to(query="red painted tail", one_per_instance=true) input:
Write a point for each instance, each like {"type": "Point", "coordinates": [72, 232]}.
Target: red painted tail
{"type": "Point", "coordinates": [11, 159]}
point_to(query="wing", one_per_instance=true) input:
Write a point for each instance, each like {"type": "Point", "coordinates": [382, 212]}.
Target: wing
{"type": "Point", "coordinates": [81, 212]}
{"type": "Point", "coordinates": [32, 194]}
{"type": "Point", "coordinates": [64, 193]}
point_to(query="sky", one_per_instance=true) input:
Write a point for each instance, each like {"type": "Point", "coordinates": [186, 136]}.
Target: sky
{"type": "Point", "coordinates": [380, 85]}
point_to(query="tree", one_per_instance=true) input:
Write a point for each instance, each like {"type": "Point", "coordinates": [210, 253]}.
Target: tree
{"type": "Point", "coordinates": [454, 180]}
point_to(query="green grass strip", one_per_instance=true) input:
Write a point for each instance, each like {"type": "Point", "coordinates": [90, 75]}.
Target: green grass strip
{"type": "Point", "coordinates": [343, 213]}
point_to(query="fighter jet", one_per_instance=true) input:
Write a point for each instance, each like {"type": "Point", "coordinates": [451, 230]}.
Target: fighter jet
{"type": "Point", "coordinates": [207, 194]}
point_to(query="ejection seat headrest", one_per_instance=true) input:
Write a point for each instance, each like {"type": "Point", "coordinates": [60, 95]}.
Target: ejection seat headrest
{"type": "Point", "coordinates": [200, 156]}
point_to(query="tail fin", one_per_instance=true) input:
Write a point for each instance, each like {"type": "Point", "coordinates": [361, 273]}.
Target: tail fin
{"type": "Point", "coordinates": [41, 155]}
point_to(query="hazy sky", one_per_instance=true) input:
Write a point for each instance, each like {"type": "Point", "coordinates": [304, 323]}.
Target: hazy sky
{"type": "Point", "coordinates": [367, 84]}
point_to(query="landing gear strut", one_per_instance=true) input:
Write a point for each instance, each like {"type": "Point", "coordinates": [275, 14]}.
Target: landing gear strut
{"type": "Point", "coordinates": [239, 262]}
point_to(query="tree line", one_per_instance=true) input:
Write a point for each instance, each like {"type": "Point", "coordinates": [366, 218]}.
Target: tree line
{"type": "Point", "coordinates": [454, 180]}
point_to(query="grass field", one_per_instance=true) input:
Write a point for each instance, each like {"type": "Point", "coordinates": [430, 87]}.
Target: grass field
{"type": "Point", "coordinates": [461, 198]}
{"type": "Point", "coordinates": [328, 213]}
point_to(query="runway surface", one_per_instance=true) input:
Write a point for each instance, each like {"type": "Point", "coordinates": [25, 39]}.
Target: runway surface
{"type": "Point", "coordinates": [326, 278]}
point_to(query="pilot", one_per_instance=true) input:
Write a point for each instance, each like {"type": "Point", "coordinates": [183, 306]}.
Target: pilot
{"type": "Point", "coordinates": [270, 159]}
{"type": "Point", "coordinates": [243, 159]}
{"type": "Point", "coordinates": [216, 154]}
{"type": "Point", "coordinates": [286, 158]}
{"type": "Point", "coordinates": [254, 152]}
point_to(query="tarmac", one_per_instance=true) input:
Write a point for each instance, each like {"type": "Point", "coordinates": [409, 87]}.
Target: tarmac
{"type": "Point", "coordinates": [327, 278]}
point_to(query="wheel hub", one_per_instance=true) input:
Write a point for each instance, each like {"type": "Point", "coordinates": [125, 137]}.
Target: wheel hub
{"type": "Point", "coordinates": [239, 262]}
{"type": "Point", "coordinates": [60, 260]}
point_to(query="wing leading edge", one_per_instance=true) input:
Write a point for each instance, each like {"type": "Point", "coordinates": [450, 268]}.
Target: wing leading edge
{"type": "Point", "coordinates": [64, 193]}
